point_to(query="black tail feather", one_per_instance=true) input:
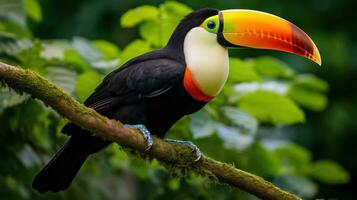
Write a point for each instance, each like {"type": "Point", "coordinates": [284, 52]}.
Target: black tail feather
{"type": "Point", "coordinates": [59, 172]}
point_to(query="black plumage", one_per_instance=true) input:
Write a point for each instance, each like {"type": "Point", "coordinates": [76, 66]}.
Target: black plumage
{"type": "Point", "coordinates": [146, 90]}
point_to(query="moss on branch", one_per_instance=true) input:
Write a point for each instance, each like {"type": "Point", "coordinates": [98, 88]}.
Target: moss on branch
{"type": "Point", "coordinates": [171, 155]}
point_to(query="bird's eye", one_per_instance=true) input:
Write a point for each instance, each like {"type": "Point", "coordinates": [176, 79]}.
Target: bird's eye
{"type": "Point", "coordinates": [211, 24]}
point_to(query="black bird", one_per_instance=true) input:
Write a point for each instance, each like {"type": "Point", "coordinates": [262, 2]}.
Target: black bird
{"type": "Point", "coordinates": [153, 91]}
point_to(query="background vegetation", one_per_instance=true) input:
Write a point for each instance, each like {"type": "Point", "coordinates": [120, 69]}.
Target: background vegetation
{"type": "Point", "coordinates": [286, 120]}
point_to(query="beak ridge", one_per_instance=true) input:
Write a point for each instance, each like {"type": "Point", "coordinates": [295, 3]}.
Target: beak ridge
{"type": "Point", "coordinates": [255, 29]}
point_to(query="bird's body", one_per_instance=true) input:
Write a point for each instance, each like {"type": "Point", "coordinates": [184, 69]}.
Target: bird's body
{"type": "Point", "coordinates": [134, 93]}
{"type": "Point", "coordinates": [147, 90]}
{"type": "Point", "coordinates": [155, 90]}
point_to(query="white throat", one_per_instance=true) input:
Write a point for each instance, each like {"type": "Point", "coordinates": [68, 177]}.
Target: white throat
{"type": "Point", "coordinates": [207, 60]}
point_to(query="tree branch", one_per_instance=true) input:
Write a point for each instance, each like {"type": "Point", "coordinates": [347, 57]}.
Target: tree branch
{"type": "Point", "coordinates": [177, 156]}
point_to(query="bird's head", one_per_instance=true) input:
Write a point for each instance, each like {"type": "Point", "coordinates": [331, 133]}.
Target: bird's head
{"type": "Point", "coordinates": [249, 28]}
{"type": "Point", "coordinates": [202, 37]}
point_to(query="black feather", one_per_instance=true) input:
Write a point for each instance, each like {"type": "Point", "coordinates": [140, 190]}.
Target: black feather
{"type": "Point", "coordinates": [192, 20]}
{"type": "Point", "coordinates": [58, 174]}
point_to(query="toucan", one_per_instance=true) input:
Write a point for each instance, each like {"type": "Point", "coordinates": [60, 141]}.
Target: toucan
{"type": "Point", "coordinates": [154, 90]}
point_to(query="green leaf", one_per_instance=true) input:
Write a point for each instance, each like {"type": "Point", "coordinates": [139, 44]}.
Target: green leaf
{"type": "Point", "coordinates": [308, 98]}
{"type": "Point", "coordinates": [261, 161]}
{"type": "Point", "coordinates": [54, 49]}
{"type": "Point", "coordinates": [299, 185]}
{"type": "Point", "coordinates": [107, 65]}
{"type": "Point", "coordinates": [241, 71]}
{"type": "Point", "coordinates": [13, 11]}
{"type": "Point", "coordinates": [271, 107]}
{"type": "Point", "coordinates": [243, 120]}
{"type": "Point", "coordinates": [312, 82]}
{"type": "Point", "coordinates": [175, 8]}
{"type": "Point", "coordinates": [201, 124]}
{"type": "Point", "coordinates": [135, 48]}
{"type": "Point", "coordinates": [119, 158]}
{"type": "Point", "coordinates": [137, 15]}
{"type": "Point", "coordinates": [272, 86]}
{"type": "Point", "coordinates": [86, 84]}
{"type": "Point", "coordinates": [33, 9]}
{"type": "Point", "coordinates": [13, 29]}
{"type": "Point", "coordinates": [28, 156]}
{"type": "Point", "coordinates": [108, 50]}
{"type": "Point", "coordinates": [151, 32]}
{"type": "Point", "coordinates": [295, 159]}
{"type": "Point", "coordinates": [85, 48]}
{"type": "Point", "coordinates": [329, 172]}
{"type": "Point", "coordinates": [308, 91]}
{"type": "Point", "coordinates": [72, 57]}
{"type": "Point", "coordinates": [272, 67]}
{"type": "Point", "coordinates": [157, 32]}
{"type": "Point", "coordinates": [30, 57]}
{"type": "Point", "coordinates": [63, 77]}
{"type": "Point", "coordinates": [9, 98]}
{"type": "Point", "coordinates": [174, 184]}
{"type": "Point", "coordinates": [13, 46]}
{"type": "Point", "coordinates": [233, 138]}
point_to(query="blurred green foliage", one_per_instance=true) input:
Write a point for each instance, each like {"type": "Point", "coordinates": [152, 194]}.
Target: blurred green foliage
{"type": "Point", "coordinates": [248, 125]}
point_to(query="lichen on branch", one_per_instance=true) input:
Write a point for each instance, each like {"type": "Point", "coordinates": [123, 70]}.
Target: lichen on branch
{"type": "Point", "coordinates": [30, 82]}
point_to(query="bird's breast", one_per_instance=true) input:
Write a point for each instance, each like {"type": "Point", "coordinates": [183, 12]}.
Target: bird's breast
{"type": "Point", "coordinates": [193, 89]}
{"type": "Point", "coordinates": [207, 64]}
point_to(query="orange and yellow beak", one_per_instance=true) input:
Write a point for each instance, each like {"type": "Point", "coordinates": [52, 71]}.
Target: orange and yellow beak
{"type": "Point", "coordinates": [249, 28]}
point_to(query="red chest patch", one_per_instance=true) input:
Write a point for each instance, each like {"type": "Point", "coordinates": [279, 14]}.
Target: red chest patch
{"type": "Point", "coordinates": [192, 88]}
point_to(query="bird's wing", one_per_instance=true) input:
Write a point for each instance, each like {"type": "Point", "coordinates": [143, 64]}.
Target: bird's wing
{"type": "Point", "coordinates": [143, 77]}
{"type": "Point", "coordinates": [146, 78]}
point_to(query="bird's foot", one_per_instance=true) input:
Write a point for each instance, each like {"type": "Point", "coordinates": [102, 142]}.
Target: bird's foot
{"type": "Point", "coordinates": [189, 144]}
{"type": "Point", "coordinates": [146, 133]}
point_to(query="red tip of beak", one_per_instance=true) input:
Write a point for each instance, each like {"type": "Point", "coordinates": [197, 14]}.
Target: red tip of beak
{"type": "Point", "coordinates": [303, 45]}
